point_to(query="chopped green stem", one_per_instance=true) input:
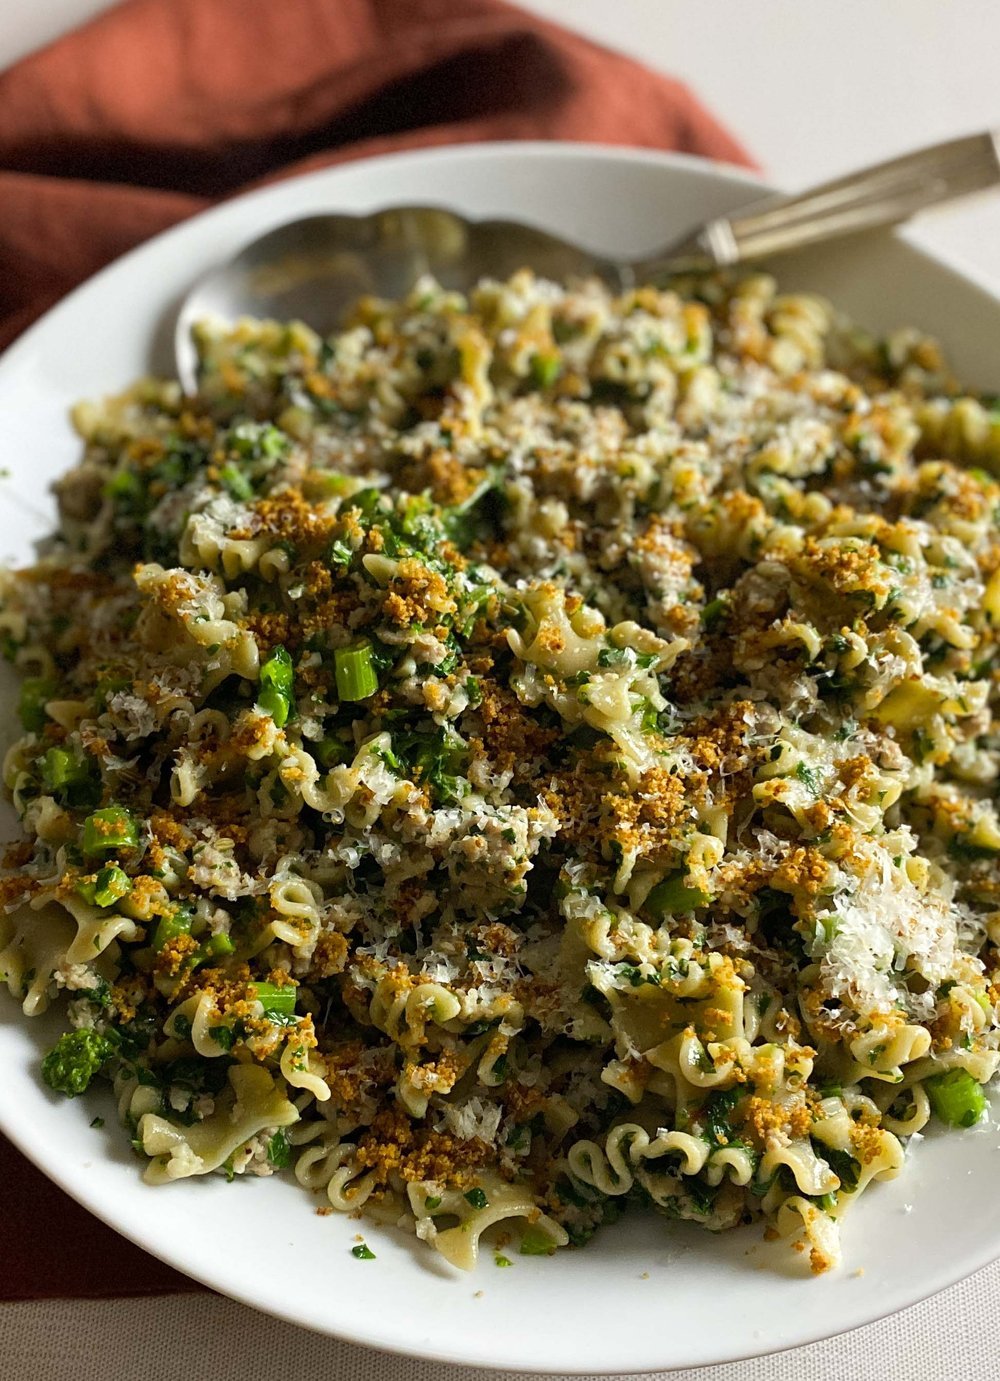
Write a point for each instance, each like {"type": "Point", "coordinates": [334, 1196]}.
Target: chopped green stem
{"type": "Point", "coordinates": [672, 895]}
{"type": "Point", "coordinates": [217, 947]}
{"type": "Point", "coordinates": [108, 830]}
{"type": "Point", "coordinates": [61, 768]}
{"type": "Point", "coordinates": [277, 679]}
{"type": "Point", "coordinates": [956, 1097]}
{"type": "Point", "coordinates": [236, 482]}
{"type": "Point", "coordinates": [109, 886]}
{"type": "Point", "coordinates": [36, 691]}
{"type": "Point", "coordinates": [355, 672]}
{"type": "Point", "coordinates": [169, 927]}
{"type": "Point", "coordinates": [276, 1001]}
{"type": "Point", "coordinates": [545, 369]}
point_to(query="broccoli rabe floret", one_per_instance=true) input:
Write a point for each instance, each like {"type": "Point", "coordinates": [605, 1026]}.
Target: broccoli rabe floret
{"type": "Point", "coordinates": [74, 1060]}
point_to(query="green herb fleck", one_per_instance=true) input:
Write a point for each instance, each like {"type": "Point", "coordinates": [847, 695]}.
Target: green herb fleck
{"type": "Point", "coordinates": [535, 1242]}
{"type": "Point", "coordinates": [279, 1150]}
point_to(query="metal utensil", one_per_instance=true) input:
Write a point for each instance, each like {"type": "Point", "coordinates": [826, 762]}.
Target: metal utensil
{"type": "Point", "coordinates": [312, 269]}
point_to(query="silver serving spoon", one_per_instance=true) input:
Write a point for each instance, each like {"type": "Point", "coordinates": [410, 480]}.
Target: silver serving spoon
{"type": "Point", "coordinates": [312, 269]}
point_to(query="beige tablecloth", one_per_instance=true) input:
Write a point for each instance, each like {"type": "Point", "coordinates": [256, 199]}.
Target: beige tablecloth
{"type": "Point", "coordinates": [952, 1337]}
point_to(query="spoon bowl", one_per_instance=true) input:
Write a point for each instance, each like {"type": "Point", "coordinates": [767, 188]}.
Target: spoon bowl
{"type": "Point", "coordinates": [313, 269]}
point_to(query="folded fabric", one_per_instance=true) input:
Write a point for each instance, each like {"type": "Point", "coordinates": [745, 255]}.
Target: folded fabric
{"type": "Point", "coordinates": [54, 1248]}
{"type": "Point", "coordinates": [160, 107]}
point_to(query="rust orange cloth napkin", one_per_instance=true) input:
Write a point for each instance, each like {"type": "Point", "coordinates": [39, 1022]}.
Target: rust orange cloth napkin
{"type": "Point", "coordinates": [160, 107]}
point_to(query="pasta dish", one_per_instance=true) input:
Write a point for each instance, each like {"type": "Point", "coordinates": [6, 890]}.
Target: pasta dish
{"type": "Point", "coordinates": [522, 757]}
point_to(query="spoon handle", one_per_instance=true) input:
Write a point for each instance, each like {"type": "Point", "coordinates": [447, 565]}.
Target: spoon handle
{"type": "Point", "coordinates": [883, 195]}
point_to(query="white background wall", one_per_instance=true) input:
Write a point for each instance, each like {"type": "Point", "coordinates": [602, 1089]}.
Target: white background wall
{"type": "Point", "coordinates": [813, 87]}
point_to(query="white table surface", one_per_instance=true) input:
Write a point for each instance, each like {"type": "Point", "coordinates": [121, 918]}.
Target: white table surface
{"type": "Point", "coordinates": [813, 88]}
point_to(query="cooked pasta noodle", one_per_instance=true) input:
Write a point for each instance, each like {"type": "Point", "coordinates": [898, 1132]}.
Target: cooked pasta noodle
{"type": "Point", "coordinates": [521, 757]}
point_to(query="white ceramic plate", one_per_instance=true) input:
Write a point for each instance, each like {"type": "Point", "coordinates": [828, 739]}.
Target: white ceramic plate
{"type": "Point", "coordinates": [646, 1294]}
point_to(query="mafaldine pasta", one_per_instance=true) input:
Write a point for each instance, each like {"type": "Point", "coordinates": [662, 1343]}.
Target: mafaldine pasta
{"type": "Point", "coordinates": [524, 757]}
